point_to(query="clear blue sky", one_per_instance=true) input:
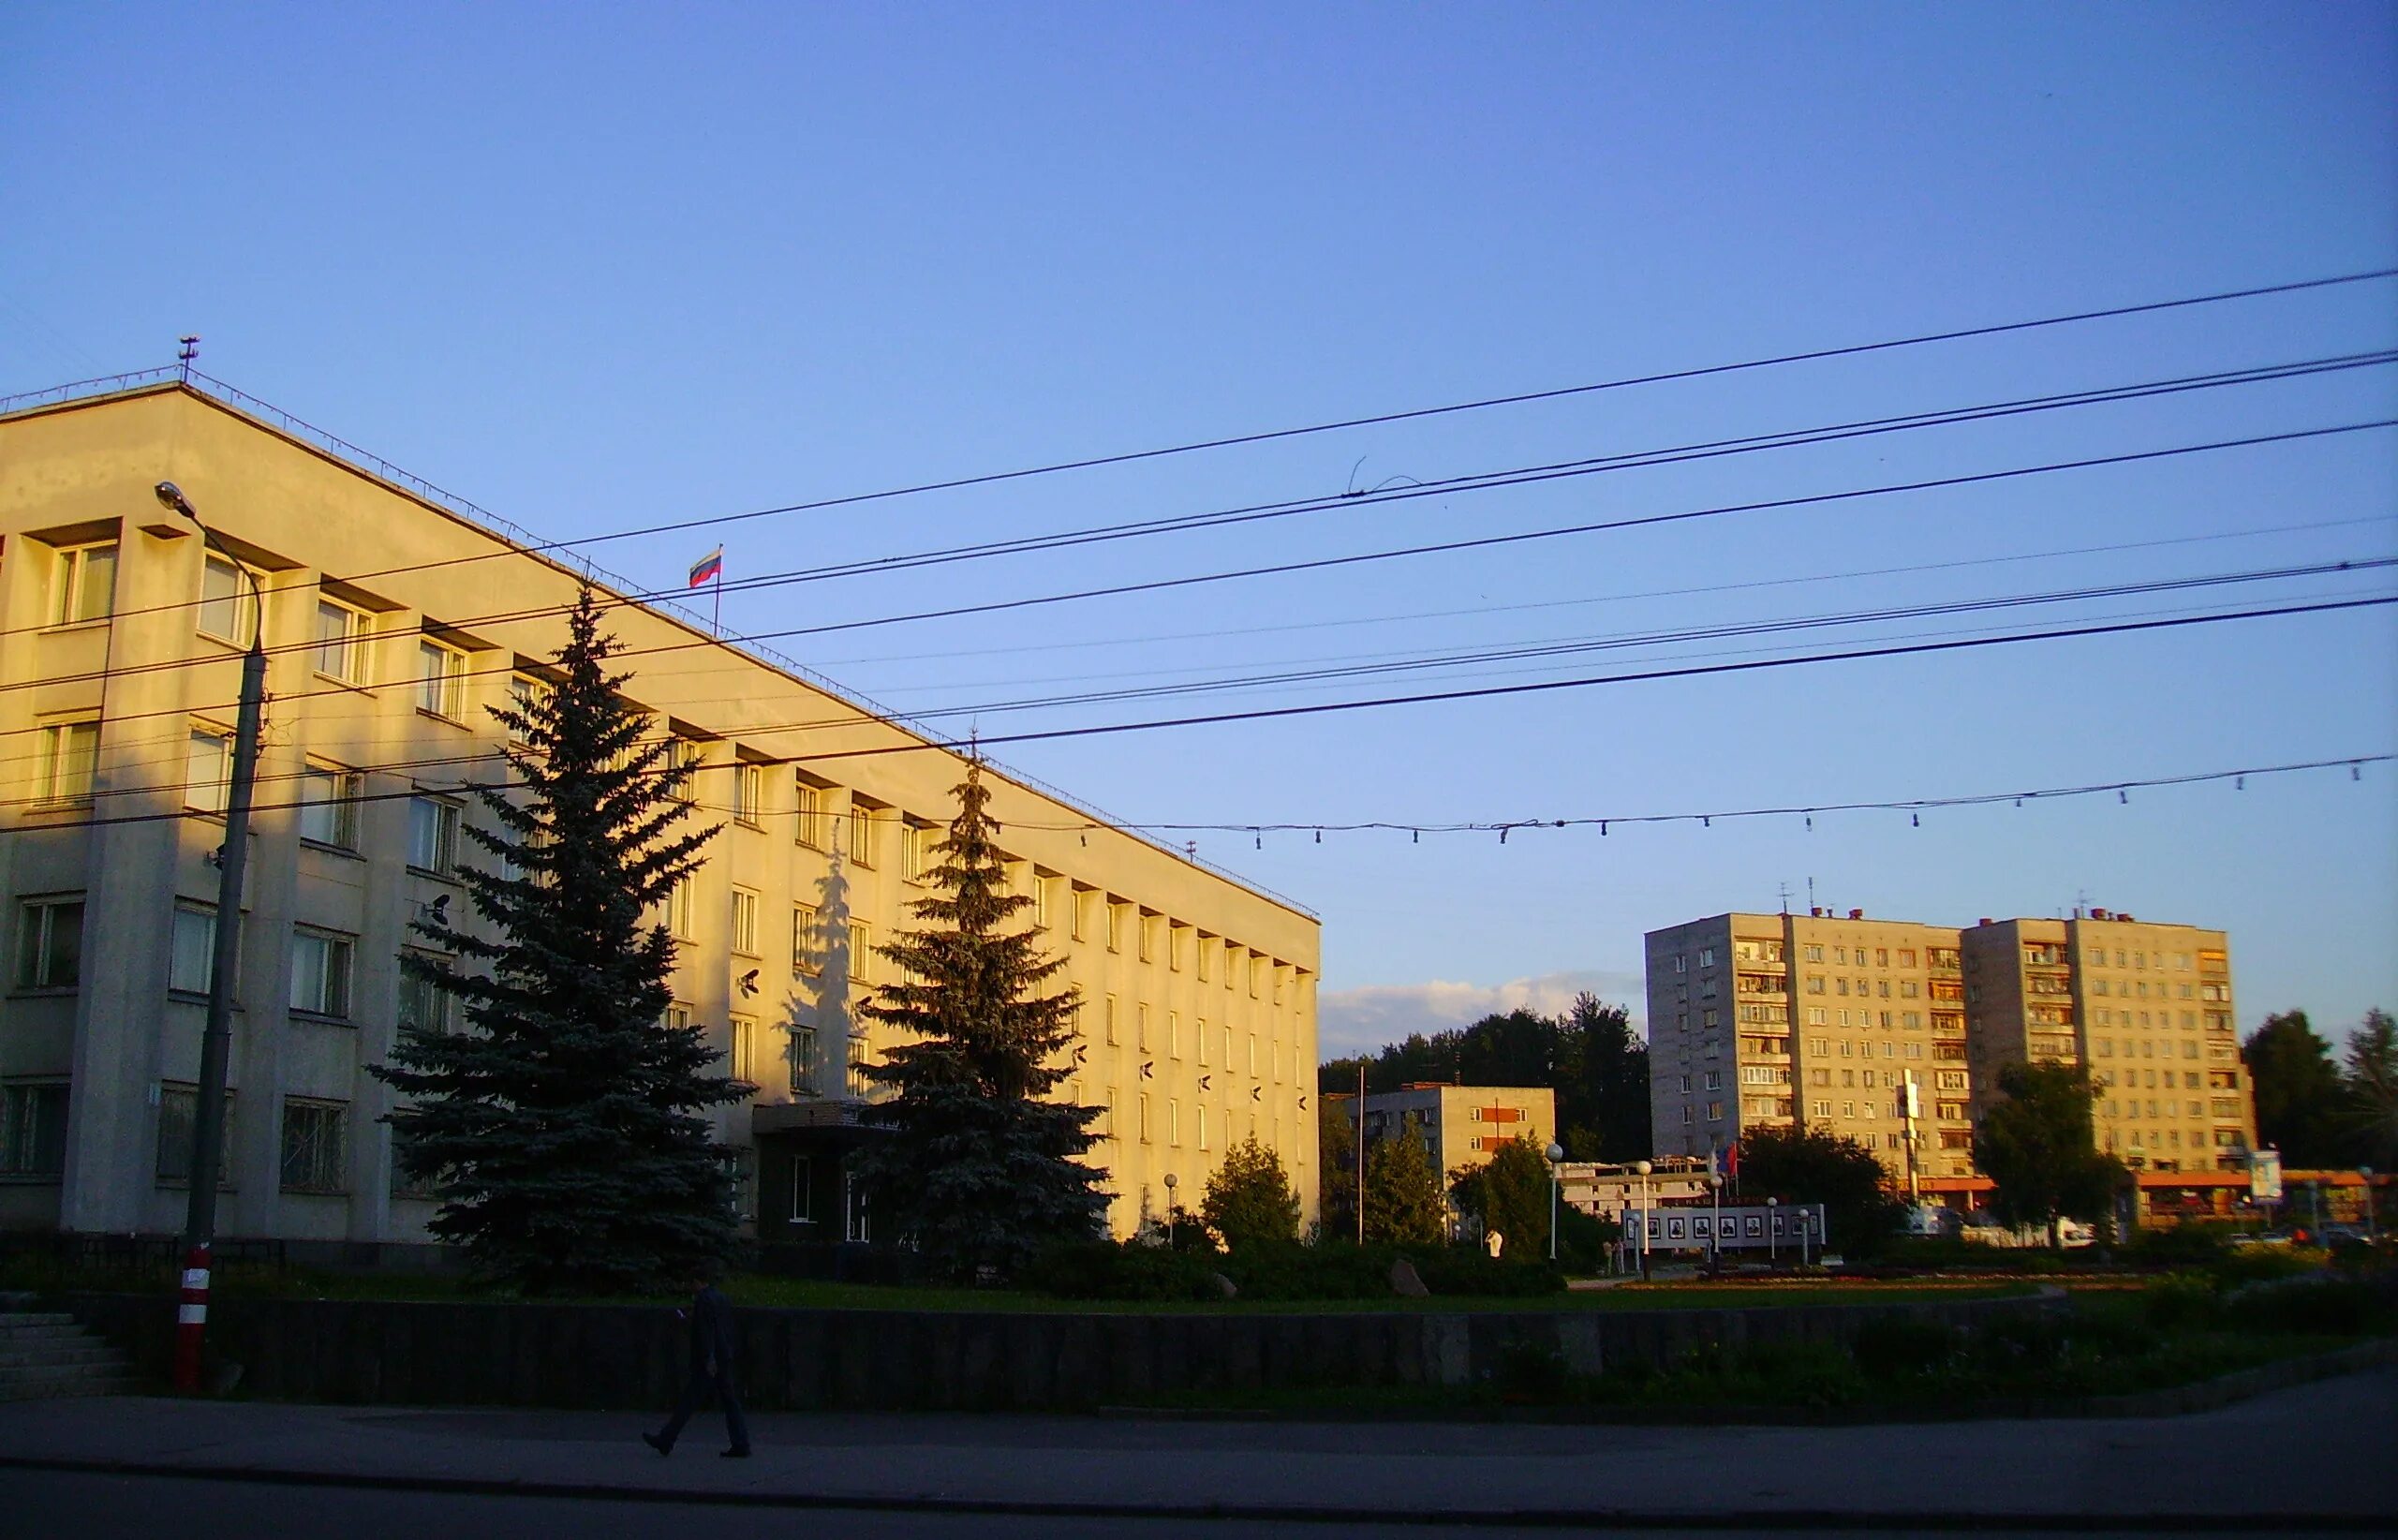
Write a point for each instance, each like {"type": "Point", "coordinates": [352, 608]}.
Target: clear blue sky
{"type": "Point", "coordinates": [600, 266]}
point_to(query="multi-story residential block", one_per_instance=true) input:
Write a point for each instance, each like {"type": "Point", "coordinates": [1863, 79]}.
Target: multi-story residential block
{"type": "Point", "coordinates": [1460, 1127]}
{"type": "Point", "coordinates": [395, 617]}
{"type": "Point", "coordinates": [2146, 1007]}
{"type": "Point", "coordinates": [1841, 1023]}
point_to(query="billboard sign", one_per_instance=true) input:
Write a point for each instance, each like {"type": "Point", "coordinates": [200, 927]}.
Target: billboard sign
{"type": "Point", "coordinates": [2265, 1174]}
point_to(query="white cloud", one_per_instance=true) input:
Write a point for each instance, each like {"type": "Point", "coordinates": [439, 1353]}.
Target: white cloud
{"type": "Point", "coordinates": [1364, 1018]}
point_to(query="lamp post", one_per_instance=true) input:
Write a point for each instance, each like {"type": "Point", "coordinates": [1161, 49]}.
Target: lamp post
{"type": "Point", "coordinates": [1172, 1181]}
{"type": "Point", "coordinates": [1644, 1168]}
{"type": "Point", "coordinates": [1715, 1228]}
{"type": "Point", "coordinates": [208, 1116]}
{"type": "Point", "coordinates": [1556, 1153]}
{"type": "Point", "coordinates": [1773, 1234]}
{"type": "Point", "coordinates": [2372, 1230]}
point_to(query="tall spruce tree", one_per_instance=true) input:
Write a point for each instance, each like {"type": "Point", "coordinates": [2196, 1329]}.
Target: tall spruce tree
{"type": "Point", "coordinates": [979, 1170]}
{"type": "Point", "coordinates": [562, 1126]}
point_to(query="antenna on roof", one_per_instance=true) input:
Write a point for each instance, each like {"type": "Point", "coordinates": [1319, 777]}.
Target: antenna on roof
{"type": "Point", "coordinates": [1785, 896]}
{"type": "Point", "coordinates": [190, 350]}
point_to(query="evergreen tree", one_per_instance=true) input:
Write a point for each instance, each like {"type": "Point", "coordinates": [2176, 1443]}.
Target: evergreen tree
{"type": "Point", "coordinates": [2299, 1097]}
{"type": "Point", "coordinates": [1249, 1202]}
{"type": "Point", "coordinates": [2371, 1077]}
{"type": "Point", "coordinates": [2037, 1146]}
{"type": "Point", "coordinates": [563, 1126]}
{"type": "Point", "coordinates": [979, 1171]}
{"type": "Point", "coordinates": [1809, 1165]}
{"type": "Point", "coordinates": [1403, 1198]}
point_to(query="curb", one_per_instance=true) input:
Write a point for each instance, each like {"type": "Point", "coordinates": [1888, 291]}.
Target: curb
{"type": "Point", "coordinates": [1543, 1518]}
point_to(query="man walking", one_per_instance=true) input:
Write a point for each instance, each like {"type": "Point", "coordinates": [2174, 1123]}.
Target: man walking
{"type": "Point", "coordinates": [712, 1370]}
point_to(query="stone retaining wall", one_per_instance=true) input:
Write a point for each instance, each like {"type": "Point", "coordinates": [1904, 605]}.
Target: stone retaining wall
{"type": "Point", "coordinates": [395, 1353]}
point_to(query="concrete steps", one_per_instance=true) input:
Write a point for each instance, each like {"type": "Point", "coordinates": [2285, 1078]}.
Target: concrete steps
{"type": "Point", "coordinates": [45, 1354]}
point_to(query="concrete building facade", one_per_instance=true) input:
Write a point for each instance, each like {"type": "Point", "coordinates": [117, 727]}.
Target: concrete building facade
{"type": "Point", "coordinates": [2147, 1008]}
{"type": "Point", "coordinates": [393, 620]}
{"type": "Point", "coordinates": [1819, 1020]}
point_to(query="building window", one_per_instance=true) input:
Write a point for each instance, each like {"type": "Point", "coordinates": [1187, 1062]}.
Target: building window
{"type": "Point", "coordinates": [861, 834]}
{"type": "Point", "coordinates": [745, 921]}
{"type": "Point", "coordinates": [440, 680]}
{"type": "Point", "coordinates": [1714, 1112]}
{"type": "Point", "coordinates": [808, 813]}
{"type": "Point", "coordinates": [191, 955]}
{"type": "Point", "coordinates": [50, 943]}
{"type": "Point", "coordinates": [83, 586]}
{"type": "Point", "coordinates": [859, 1084]}
{"type": "Point", "coordinates": [1144, 1117]}
{"type": "Point", "coordinates": [1206, 946]}
{"type": "Point", "coordinates": [208, 769]}
{"type": "Point", "coordinates": [803, 956]}
{"type": "Point", "coordinates": [801, 1053]}
{"type": "Point", "coordinates": [228, 609]}
{"type": "Point", "coordinates": [329, 807]}
{"type": "Point", "coordinates": [65, 760]}
{"type": "Point", "coordinates": [432, 835]}
{"type": "Point", "coordinates": [341, 642]}
{"type": "Point", "coordinates": [1173, 936]}
{"type": "Point", "coordinates": [748, 794]}
{"type": "Point", "coordinates": [678, 907]}
{"type": "Point", "coordinates": [861, 953]}
{"type": "Point", "coordinates": [424, 1003]}
{"type": "Point", "coordinates": [1141, 1026]}
{"type": "Point", "coordinates": [744, 1067]}
{"type": "Point", "coordinates": [803, 1190]}
{"type": "Point", "coordinates": [1115, 926]}
{"type": "Point", "coordinates": [178, 1107]}
{"type": "Point", "coordinates": [314, 1146]}
{"type": "Point", "coordinates": [321, 973]}
{"type": "Point", "coordinates": [33, 1128]}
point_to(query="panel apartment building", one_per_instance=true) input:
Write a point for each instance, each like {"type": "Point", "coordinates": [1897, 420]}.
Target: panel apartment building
{"type": "Point", "coordinates": [1816, 1020]}
{"type": "Point", "coordinates": [1820, 1021]}
{"type": "Point", "coordinates": [2147, 1007]}
{"type": "Point", "coordinates": [393, 619]}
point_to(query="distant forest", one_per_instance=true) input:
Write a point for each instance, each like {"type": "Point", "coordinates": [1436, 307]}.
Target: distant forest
{"type": "Point", "coordinates": [1588, 1056]}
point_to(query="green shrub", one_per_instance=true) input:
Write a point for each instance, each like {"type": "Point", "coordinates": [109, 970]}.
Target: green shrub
{"type": "Point", "coordinates": [1465, 1272]}
{"type": "Point", "coordinates": [2184, 1245]}
{"type": "Point", "coordinates": [1101, 1270]}
{"type": "Point", "coordinates": [2258, 1263]}
{"type": "Point", "coordinates": [2315, 1303]}
{"type": "Point", "coordinates": [2179, 1301]}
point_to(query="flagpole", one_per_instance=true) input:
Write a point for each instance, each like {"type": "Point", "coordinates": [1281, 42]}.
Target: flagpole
{"type": "Point", "coordinates": [716, 612]}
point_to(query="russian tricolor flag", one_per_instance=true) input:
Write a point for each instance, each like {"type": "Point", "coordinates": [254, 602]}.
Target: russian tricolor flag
{"type": "Point", "coordinates": [708, 567]}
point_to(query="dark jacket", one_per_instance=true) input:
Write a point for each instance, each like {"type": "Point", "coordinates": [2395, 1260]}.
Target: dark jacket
{"type": "Point", "coordinates": [711, 1316]}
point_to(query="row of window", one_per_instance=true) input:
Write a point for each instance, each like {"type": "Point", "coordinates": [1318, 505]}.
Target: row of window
{"type": "Point", "coordinates": [314, 1150]}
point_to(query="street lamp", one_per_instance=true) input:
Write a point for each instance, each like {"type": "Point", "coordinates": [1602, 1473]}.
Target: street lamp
{"type": "Point", "coordinates": [208, 1116]}
{"type": "Point", "coordinates": [1643, 1167]}
{"type": "Point", "coordinates": [1172, 1181]}
{"type": "Point", "coordinates": [1556, 1153]}
{"type": "Point", "coordinates": [1715, 1228]}
{"type": "Point", "coordinates": [1773, 1232]}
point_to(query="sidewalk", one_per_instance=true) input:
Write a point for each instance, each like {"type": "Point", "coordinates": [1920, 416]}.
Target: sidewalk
{"type": "Point", "coordinates": [2236, 1467]}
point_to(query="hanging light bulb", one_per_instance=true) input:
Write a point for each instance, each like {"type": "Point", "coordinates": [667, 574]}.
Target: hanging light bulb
{"type": "Point", "coordinates": [1810, 820]}
{"type": "Point", "coordinates": [1603, 828]}
{"type": "Point", "coordinates": [1706, 822]}
{"type": "Point", "coordinates": [2356, 772]}
{"type": "Point", "coordinates": [1502, 834]}
{"type": "Point", "coordinates": [1416, 837]}
{"type": "Point", "coordinates": [1915, 820]}
{"type": "Point", "coordinates": [2240, 783]}
{"type": "Point", "coordinates": [1319, 837]}
{"type": "Point", "coordinates": [2123, 797]}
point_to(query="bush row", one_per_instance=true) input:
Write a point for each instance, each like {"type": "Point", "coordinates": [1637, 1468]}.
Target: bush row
{"type": "Point", "coordinates": [1135, 1271]}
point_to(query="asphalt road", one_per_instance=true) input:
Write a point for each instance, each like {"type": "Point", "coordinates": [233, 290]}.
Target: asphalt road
{"type": "Point", "coordinates": [76, 1506]}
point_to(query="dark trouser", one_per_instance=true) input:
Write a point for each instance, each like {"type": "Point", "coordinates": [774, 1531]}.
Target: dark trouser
{"type": "Point", "coordinates": [695, 1393]}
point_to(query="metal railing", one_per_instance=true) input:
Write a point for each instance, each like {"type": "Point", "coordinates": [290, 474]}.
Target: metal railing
{"type": "Point", "coordinates": [565, 556]}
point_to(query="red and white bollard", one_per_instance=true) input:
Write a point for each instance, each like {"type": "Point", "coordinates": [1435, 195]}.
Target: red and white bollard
{"type": "Point", "coordinates": [191, 1319]}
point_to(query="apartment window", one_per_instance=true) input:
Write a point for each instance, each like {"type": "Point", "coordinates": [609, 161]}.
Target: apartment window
{"type": "Point", "coordinates": [432, 835]}
{"type": "Point", "coordinates": [314, 1146]}
{"type": "Point", "coordinates": [65, 759]}
{"type": "Point", "coordinates": [191, 952]}
{"type": "Point", "coordinates": [1144, 1117]}
{"type": "Point", "coordinates": [803, 1190]}
{"type": "Point", "coordinates": [745, 921]}
{"type": "Point", "coordinates": [1252, 1055]}
{"type": "Point", "coordinates": [801, 1053]}
{"type": "Point", "coordinates": [915, 843]}
{"type": "Point", "coordinates": [208, 769]}
{"type": "Point", "coordinates": [50, 943]}
{"type": "Point", "coordinates": [1173, 934]}
{"type": "Point", "coordinates": [679, 899]}
{"type": "Point", "coordinates": [861, 834]}
{"type": "Point", "coordinates": [424, 1003]}
{"type": "Point", "coordinates": [861, 952]}
{"type": "Point", "coordinates": [1174, 1121]}
{"type": "Point", "coordinates": [808, 813]}
{"type": "Point", "coordinates": [329, 807]}
{"type": "Point", "coordinates": [1115, 926]}
{"type": "Point", "coordinates": [33, 1128]}
{"type": "Point", "coordinates": [1203, 1127]}
{"type": "Point", "coordinates": [178, 1108]}
{"type": "Point", "coordinates": [229, 610]}
{"type": "Point", "coordinates": [1199, 1034]}
{"type": "Point", "coordinates": [745, 1049]}
{"type": "Point", "coordinates": [1207, 945]}
{"type": "Point", "coordinates": [803, 956]}
{"type": "Point", "coordinates": [1714, 1112]}
{"type": "Point", "coordinates": [1141, 1026]}
{"type": "Point", "coordinates": [320, 972]}
{"type": "Point", "coordinates": [858, 1083]}
{"type": "Point", "coordinates": [748, 794]}
{"type": "Point", "coordinates": [1256, 968]}
{"type": "Point", "coordinates": [528, 695]}
{"type": "Point", "coordinates": [341, 642]}
{"type": "Point", "coordinates": [1110, 1019]}
{"type": "Point", "coordinates": [440, 679]}
{"type": "Point", "coordinates": [83, 586]}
